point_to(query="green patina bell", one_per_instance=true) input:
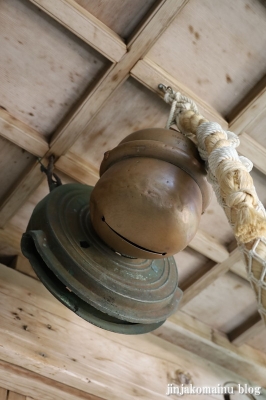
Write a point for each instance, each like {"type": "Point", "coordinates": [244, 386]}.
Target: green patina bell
{"type": "Point", "coordinates": [106, 252]}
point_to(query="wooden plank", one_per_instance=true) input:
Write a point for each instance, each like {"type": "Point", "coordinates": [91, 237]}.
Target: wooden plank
{"type": "Point", "coordinates": [86, 26]}
{"type": "Point", "coordinates": [191, 334]}
{"type": "Point", "coordinates": [28, 184]}
{"type": "Point", "coordinates": [209, 247]}
{"type": "Point", "coordinates": [151, 74]}
{"type": "Point", "coordinates": [250, 112]}
{"type": "Point", "coordinates": [132, 107]}
{"type": "Point", "coordinates": [256, 129]}
{"type": "Point", "coordinates": [78, 169]}
{"type": "Point", "coordinates": [190, 263]}
{"type": "Point", "coordinates": [188, 50]}
{"type": "Point", "coordinates": [258, 342]}
{"type": "Point", "coordinates": [210, 276]}
{"type": "Point", "coordinates": [35, 386]}
{"type": "Point", "coordinates": [22, 135]}
{"type": "Point", "coordinates": [22, 264]}
{"type": "Point", "coordinates": [11, 237]}
{"type": "Point", "coordinates": [248, 330]}
{"type": "Point", "coordinates": [238, 267]}
{"type": "Point", "coordinates": [100, 362]}
{"type": "Point", "coordinates": [72, 127]}
{"type": "Point", "coordinates": [122, 16]}
{"type": "Point", "coordinates": [13, 162]}
{"type": "Point", "coordinates": [57, 66]}
{"type": "Point", "coordinates": [3, 394]}
{"type": "Point", "coordinates": [224, 304]}
{"type": "Point", "coordinates": [254, 151]}
{"type": "Point", "coordinates": [15, 396]}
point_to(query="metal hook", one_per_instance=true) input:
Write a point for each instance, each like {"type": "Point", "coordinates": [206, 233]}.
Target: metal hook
{"type": "Point", "coordinates": [165, 88]}
{"type": "Point", "coordinates": [49, 171]}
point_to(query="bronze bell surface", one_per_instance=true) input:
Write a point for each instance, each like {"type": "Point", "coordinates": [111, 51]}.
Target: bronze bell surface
{"type": "Point", "coordinates": [152, 191]}
{"type": "Point", "coordinates": [105, 252]}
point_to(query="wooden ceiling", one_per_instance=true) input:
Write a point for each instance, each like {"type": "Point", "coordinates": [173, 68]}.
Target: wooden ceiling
{"type": "Point", "coordinates": [76, 77]}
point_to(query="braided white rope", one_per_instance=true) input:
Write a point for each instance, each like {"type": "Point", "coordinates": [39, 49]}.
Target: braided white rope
{"type": "Point", "coordinates": [213, 160]}
{"type": "Point", "coordinates": [180, 103]}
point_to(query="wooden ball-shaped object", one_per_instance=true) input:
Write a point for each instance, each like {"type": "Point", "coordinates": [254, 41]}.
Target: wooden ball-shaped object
{"type": "Point", "coordinates": [150, 196]}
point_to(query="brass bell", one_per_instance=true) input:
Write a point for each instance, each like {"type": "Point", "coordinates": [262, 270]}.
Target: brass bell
{"type": "Point", "coordinates": [105, 252]}
{"type": "Point", "coordinates": [152, 191]}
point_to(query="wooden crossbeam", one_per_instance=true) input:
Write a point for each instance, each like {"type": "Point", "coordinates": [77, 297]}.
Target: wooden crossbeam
{"type": "Point", "coordinates": [83, 24]}
{"type": "Point", "coordinates": [78, 169]}
{"type": "Point", "coordinates": [234, 262]}
{"type": "Point", "coordinates": [248, 113]}
{"type": "Point", "coordinates": [208, 246]}
{"type": "Point", "coordinates": [22, 264]}
{"type": "Point", "coordinates": [210, 276]}
{"type": "Point", "coordinates": [11, 237]}
{"type": "Point", "coordinates": [150, 75]}
{"type": "Point", "coordinates": [20, 193]}
{"type": "Point", "coordinates": [3, 394]}
{"type": "Point", "coordinates": [193, 335]}
{"type": "Point", "coordinates": [248, 330]}
{"type": "Point", "coordinates": [36, 386]}
{"type": "Point", "coordinates": [91, 103]}
{"type": "Point", "coordinates": [22, 135]}
{"type": "Point", "coordinates": [32, 178]}
{"type": "Point", "coordinates": [73, 126]}
{"type": "Point", "coordinates": [99, 362]}
{"type": "Point", "coordinates": [251, 149]}
{"type": "Point", "coordinates": [253, 107]}
{"type": "Point", "coordinates": [15, 396]}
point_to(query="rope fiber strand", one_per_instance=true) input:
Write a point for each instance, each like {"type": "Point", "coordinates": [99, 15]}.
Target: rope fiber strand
{"type": "Point", "coordinates": [229, 176]}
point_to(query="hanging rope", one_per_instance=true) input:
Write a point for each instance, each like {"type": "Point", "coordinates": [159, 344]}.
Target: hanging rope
{"type": "Point", "coordinates": [229, 175]}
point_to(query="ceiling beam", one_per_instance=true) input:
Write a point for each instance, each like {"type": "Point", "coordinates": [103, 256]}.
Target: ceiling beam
{"type": "Point", "coordinates": [150, 74]}
{"type": "Point", "coordinates": [22, 135]}
{"type": "Point", "coordinates": [72, 127]}
{"type": "Point", "coordinates": [19, 194]}
{"type": "Point", "coordinates": [248, 330]}
{"type": "Point", "coordinates": [22, 264]}
{"type": "Point", "coordinates": [247, 113]}
{"type": "Point", "coordinates": [90, 104]}
{"type": "Point", "coordinates": [83, 24]}
{"type": "Point", "coordinates": [11, 237]}
{"type": "Point", "coordinates": [251, 149]}
{"type": "Point", "coordinates": [191, 334]}
{"type": "Point", "coordinates": [15, 396]}
{"type": "Point", "coordinates": [78, 169]}
{"type": "Point", "coordinates": [35, 386]}
{"type": "Point", "coordinates": [210, 276]}
{"type": "Point", "coordinates": [3, 394]}
{"type": "Point", "coordinates": [234, 262]}
{"type": "Point", "coordinates": [90, 359]}
{"type": "Point", "coordinates": [254, 105]}
{"type": "Point", "coordinates": [209, 246]}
